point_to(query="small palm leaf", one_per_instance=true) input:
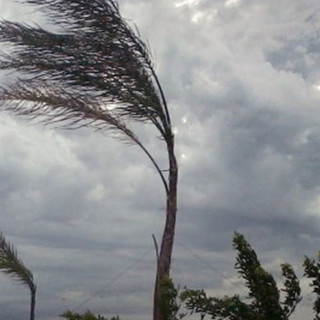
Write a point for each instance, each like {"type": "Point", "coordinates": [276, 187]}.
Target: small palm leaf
{"type": "Point", "coordinates": [13, 266]}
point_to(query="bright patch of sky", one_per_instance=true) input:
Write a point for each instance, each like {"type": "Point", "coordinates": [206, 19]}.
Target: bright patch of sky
{"type": "Point", "coordinates": [232, 3]}
{"type": "Point", "coordinates": [197, 16]}
{"type": "Point", "coordinates": [97, 193]}
{"type": "Point", "coordinates": [183, 156]}
{"type": "Point", "coordinates": [189, 3]}
{"type": "Point", "coordinates": [317, 87]}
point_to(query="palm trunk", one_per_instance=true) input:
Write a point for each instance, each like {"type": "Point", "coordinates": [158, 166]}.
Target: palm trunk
{"type": "Point", "coordinates": [164, 260]}
{"type": "Point", "coordinates": [32, 302]}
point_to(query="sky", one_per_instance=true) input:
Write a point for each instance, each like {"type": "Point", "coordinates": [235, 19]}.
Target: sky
{"type": "Point", "coordinates": [242, 81]}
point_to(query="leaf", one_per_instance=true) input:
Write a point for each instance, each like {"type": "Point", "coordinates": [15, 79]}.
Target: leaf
{"type": "Point", "coordinates": [13, 266]}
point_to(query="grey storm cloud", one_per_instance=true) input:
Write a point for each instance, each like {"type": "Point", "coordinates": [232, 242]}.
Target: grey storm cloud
{"type": "Point", "coordinates": [242, 81]}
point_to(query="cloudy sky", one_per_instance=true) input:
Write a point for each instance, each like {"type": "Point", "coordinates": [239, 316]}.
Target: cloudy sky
{"type": "Point", "coordinates": [242, 78]}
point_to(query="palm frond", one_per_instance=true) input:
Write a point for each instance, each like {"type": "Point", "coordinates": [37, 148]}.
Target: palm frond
{"type": "Point", "coordinates": [12, 265]}
{"type": "Point", "coordinates": [56, 104]}
{"type": "Point", "coordinates": [98, 54]}
{"type": "Point", "coordinates": [95, 72]}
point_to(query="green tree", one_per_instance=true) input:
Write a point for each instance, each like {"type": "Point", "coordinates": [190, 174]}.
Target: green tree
{"type": "Point", "coordinates": [170, 302]}
{"type": "Point", "coordinates": [94, 72]}
{"type": "Point", "coordinates": [312, 271]}
{"type": "Point", "coordinates": [264, 295]}
{"type": "Point", "coordinates": [12, 265]}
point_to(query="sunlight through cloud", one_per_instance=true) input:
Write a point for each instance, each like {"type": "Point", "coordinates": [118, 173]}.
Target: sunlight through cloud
{"type": "Point", "coordinates": [186, 3]}
{"type": "Point", "coordinates": [232, 3]}
{"type": "Point", "coordinates": [197, 16]}
{"type": "Point", "coordinates": [317, 87]}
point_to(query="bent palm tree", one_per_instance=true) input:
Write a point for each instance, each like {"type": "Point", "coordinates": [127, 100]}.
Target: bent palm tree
{"type": "Point", "coordinates": [13, 266]}
{"type": "Point", "coordinates": [95, 72]}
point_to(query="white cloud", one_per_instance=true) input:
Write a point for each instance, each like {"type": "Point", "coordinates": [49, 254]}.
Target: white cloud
{"type": "Point", "coordinates": [197, 16]}
{"type": "Point", "coordinates": [97, 193]}
{"type": "Point", "coordinates": [232, 3]}
{"type": "Point", "coordinates": [189, 3]}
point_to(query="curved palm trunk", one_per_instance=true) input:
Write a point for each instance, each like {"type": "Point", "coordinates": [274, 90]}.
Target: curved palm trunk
{"type": "Point", "coordinates": [32, 302]}
{"type": "Point", "coordinates": [164, 260]}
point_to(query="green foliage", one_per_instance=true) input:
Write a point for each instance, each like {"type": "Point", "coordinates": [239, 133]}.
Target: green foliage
{"type": "Point", "coordinates": [312, 271]}
{"type": "Point", "coordinates": [218, 308]}
{"type": "Point", "coordinates": [69, 315]}
{"type": "Point", "coordinates": [169, 304]}
{"type": "Point", "coordinates": [13, 266]}
{"type": "Point", "coordinates": [291, 288]}
{"type": "Point", "coordinates": [261, 284]}
{"type": "Point", "coordinates": [265, 302]}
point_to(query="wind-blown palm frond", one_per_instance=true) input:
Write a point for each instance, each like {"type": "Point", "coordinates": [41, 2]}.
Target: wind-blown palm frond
{"type": "Point", "coordinates": [98, 54]}
{"type": "Point", "coordinates": [14, 267]}
{"type": "Point", "coordinates": [56, 104]}
{"type": "Point", "coordinates": [95, 72]}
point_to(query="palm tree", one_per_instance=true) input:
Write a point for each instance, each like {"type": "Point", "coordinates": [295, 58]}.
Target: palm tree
{"type": "Point", "coordinates": [13, 266]}
{"type": "Point", "coordinates": [94, 71]}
